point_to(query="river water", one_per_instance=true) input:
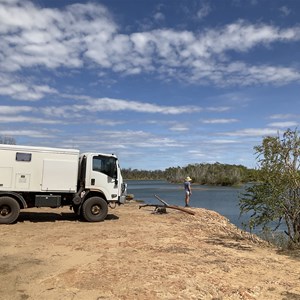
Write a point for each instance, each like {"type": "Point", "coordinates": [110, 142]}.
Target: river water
{"type": "Point", "coordinates": [224, 200]}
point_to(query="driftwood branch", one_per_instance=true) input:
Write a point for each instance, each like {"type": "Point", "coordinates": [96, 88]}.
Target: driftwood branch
{"type": "Point", "coordinates": [161, 200]}
{"type": "Point", "coordinates": [166, 205]}
{"type": "Point", "coordinates": [159, 208]}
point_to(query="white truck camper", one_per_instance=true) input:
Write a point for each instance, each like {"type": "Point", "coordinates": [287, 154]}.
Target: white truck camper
{"type": "Point", "coordinates": [53, 177]}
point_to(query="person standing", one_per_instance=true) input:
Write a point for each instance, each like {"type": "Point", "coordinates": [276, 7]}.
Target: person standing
{"type": "Point", "coordinates": [188, 191]}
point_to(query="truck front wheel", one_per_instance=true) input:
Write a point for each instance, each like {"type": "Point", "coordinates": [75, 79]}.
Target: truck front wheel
{"type": "Point", "coordinates": [94, 209]}
{"type": "Point", "coordinates": [9, 210]}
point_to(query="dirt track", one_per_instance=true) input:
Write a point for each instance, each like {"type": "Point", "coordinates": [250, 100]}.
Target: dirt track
{"type": "Point", "coordinates": [134, 254]}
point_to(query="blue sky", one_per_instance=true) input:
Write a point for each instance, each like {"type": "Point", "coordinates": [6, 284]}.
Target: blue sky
{"type": "Point", "coordinates": [159, 83]}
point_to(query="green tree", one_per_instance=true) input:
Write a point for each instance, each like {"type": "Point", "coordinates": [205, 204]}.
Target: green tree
{"type": "Point", "coordinates": [276, 195]}
{"type": "Point", "coordinates": [7, 140]}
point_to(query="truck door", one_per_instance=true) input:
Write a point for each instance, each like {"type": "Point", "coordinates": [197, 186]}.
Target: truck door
{"type": "Point", "coordinates": [104, 176]}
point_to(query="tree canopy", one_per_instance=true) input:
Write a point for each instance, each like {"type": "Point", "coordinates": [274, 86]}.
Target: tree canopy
{"type": "Point", "coordinates": [7, 140]}
{"type": "Point", "coordinates": [210, 174]}
{"type": "Point", "coordinates": [276, 195]}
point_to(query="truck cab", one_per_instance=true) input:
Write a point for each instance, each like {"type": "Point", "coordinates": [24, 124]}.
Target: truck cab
{"type": "Point", "coordinates": [101, 174]}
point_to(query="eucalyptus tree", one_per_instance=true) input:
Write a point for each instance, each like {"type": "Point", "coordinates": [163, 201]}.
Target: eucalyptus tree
{"type": "Point", "coordinates": [276, 195]}
{"type": "Point", "coordinates": [7, 140]}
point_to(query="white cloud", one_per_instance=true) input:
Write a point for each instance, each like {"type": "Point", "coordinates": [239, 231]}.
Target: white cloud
{"type": "Point", "coordinates": [219, 108]}
{"type": "Point", "coordinates": [221, 141]}
{"type": "Point", "coordinates": [242, 36]}
{"type": "Point", "coordinates": [108, 104]}
{"type": "Point", "coordinates": [137, 139]}
{"type": "Point", "coordinates": [252, 132]}
{"type": "Point", "coordinates": [159, 16]}
{"type": "Point", "coordinates": [22, 89]}
{"type": "Point", "coordinates": [34, 36]}
{"type": "Point", "coordinates": [85, 34]}
{"type": "Point", "coordinates": [107, 122]}
{"type": "Point", "coordinates": [179, 128]}
{"type": "Point", "coordinates": [284, 116]}
{"type": "Point", "coordinates": [75, 113]}
{"type": "Point", "coordinates": [285, 11]}
{"type": "Point", "coordinates": [203, 11]}
{"type": "Point", "coordinates": [26, 133]}
{"type": "Point", "coordinates": [196, 153]}
{"type": "Point", "coordinates": [278, 75]}
{"type": "Point", "coordinates": [245, 75]}
{"type": "Point", "coordinates": [219, 121]}
{"type": "Point", "coordinates": [286, 125]}
{"type": "Point", "coordinates": [24, 119]}
{"type": "Point", "coordinates": [26, 114]}
{"type": "Point", "coordinates": [13, 110]}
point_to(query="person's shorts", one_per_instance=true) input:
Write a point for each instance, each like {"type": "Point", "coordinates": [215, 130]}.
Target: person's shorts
{"type": "Point", "coordinates": [187, 193]}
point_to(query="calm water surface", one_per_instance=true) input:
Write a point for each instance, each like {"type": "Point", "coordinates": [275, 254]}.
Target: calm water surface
{"type": "Point", "coordinates": [223, 200]}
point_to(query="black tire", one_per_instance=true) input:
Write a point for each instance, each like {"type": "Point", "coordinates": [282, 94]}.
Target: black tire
{"type": "Point", "coordinates": [94, 209]}
{"type": "Point", "coordinates": [9, 210]}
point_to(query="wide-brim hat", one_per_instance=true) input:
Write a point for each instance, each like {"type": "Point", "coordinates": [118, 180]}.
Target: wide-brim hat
{"type": "Point", "coordinates": [188, 178]}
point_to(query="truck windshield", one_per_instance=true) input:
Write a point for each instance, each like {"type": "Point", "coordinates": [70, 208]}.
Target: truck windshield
{"type": "Point", "coordinates": [106, 165]}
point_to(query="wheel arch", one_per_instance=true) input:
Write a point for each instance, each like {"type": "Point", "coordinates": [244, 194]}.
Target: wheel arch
{"type": "Point", "coordinates": [90, 194]}
{"type": "Point", "coordinates": [15, 196]}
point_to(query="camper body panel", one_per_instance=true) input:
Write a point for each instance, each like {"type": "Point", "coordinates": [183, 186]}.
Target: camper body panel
{"type": "Point", "coordinates": [38, 169]}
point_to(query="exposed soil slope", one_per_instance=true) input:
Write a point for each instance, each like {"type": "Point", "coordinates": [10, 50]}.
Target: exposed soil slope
{"type": "Point", "coordinates": [134, 254]}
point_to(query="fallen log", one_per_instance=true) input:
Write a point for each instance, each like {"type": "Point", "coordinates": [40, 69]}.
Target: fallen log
{"type": "Point", "coordinates": [166, 205]}
{"type": "Point", "coordinates": [158, 208]}
{"type": "Point", "coordinates": [161, 200]}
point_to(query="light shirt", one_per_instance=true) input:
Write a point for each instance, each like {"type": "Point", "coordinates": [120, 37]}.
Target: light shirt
{"type": "Point", "coordinates": [187, 186]}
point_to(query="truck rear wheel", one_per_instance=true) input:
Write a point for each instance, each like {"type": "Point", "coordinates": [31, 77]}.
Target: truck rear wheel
{"type": "Point", "coordinates": [94, 209]}
{"type": "Point", "coordinates": [9, 210]}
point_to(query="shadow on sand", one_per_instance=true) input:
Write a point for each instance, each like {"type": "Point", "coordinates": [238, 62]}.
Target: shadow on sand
{"type": "Point", "coordinates": [37, 217]}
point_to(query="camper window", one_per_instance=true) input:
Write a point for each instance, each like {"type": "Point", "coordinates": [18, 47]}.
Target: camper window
{"type": "Point", "coordinates": [23, 156]}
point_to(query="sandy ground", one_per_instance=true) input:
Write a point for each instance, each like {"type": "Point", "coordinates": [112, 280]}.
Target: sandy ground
{"type": "Point", "coordinates": [135, 254]}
